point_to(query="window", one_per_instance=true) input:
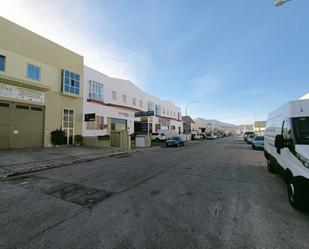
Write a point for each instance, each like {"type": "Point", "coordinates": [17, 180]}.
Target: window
{"type": "Point", "coordinates": [4, 104]}
{"type": "Point", "coordinates": [286, 130]}
{"type": "Point", "coordinates": [33, 72]}
{"type": "Point", "coordinates": [98, 124]}
{"type": "Point", "coordinates": [158, 110]}
{"type": "Point", "coordinates": [114, 95]}
{"type": "Point", "coordinates": [301, 129]}
{"type": "Point", "coordinates": [68, 120]}
{"type": "Point", "coordinates": [140, 103]}
{"type": "Point", "coordinates": [163, 111]}
{"type": "Point", "coordinates": [124, 99]}
{"type": "Point", "coordinates": [2, 63]}
{"type": "Point", "coordinates": [118, 124]}
{"type": "Point", "coordinates": [134, 101]}
{"type": "Point", "coordinates": [22, 107]}
{"type": "Point", "coordinates": [168, 112]}
{"type": "Point", "coordinates": [38, 109]}
{"type": "Point", "coordinates": [151, 106]}
{"type": "Point", "coordinates": [95, 90]}
{"type": "Point", "coordinates": [70, 82]}
{"type": "Point", "coordinates": [179, 116]}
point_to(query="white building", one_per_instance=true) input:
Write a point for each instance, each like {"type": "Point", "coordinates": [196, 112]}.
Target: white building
{"type": "Point", "coordinates": [306, 96]}
{"type": "Point", "coordinates": [115, 102]}
{"type": "Point", "coordinates": [259, 127]}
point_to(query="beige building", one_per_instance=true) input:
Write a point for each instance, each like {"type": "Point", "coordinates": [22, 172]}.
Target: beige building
{"type": "Point", "coordinates": [41, 88]}
{"type": "Point", "coordinates": [259, 127]}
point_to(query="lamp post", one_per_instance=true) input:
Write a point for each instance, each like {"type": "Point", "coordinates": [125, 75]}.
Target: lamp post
{"type": "Point", "coordinates": [186, 109]}
{"type": "Point", "coordinates": [279, 3]}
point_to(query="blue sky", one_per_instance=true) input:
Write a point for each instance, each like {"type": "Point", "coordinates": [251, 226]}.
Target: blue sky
{"type": "Point", "coordinates": [238, 59]}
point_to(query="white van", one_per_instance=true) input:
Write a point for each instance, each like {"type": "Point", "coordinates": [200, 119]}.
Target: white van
{"type": "Point", "coordinates": [287, 148]}
{"type": "Point", "coordinates": [168, 133]}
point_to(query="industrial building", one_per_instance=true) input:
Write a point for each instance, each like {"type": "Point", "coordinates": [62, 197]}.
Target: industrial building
{"type": "Point", "coordinates": [40, 89]}
{"type": "Point", "coordinates": [112, 104]}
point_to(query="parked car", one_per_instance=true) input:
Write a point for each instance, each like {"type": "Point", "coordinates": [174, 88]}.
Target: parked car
{"type": "Point", "coordinates": [220, 135]}
{"type": "Point", "coordinates": [158, 137]}
{"type": "Point", "coordinates": [250, 138]}
{"type": "Point", "coordinates": [246, 134]}
{"type": "Point", "coordinates": [174, 142]}
{"type": "Point", "coordinates": [203, 135]}
{"type": "Point", "coordinates": [258, 143]}
{"type": "Point", "coordinates": [287, 148]}
{"type": "Point", "coordinates": [198, 137]}
{"type": "Point", "coordinates": [209, 136]}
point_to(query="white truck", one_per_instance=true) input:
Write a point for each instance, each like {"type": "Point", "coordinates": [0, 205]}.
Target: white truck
{"type": "Point", "coordinates": [287, 148]}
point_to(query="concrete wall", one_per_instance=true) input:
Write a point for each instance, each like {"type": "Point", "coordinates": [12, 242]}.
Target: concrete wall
{"type": "Point", "coordinates": [95, 142]}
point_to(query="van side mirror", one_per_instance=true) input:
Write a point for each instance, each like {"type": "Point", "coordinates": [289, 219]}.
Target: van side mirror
{"type": "Point", "coordinates": [279, 142]}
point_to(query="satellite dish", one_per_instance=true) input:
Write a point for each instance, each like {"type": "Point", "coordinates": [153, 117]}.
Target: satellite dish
{"type": "Point", "coordinates": [281, 2]}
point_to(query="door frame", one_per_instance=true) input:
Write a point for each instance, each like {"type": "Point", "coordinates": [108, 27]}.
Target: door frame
{"type": "Point", "coordinates": [73, 129]}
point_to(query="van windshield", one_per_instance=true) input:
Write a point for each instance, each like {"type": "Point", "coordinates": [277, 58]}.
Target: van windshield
{"type": "Point", "coordinates": [301, 128]}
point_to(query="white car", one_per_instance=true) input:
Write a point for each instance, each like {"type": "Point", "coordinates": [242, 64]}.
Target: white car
{"type": "Point", "coordinates": [158, 137]}
{"type": "Point", "coordinates": [198, 137]}
{"type": "Point", "coordinates": [287, 147]}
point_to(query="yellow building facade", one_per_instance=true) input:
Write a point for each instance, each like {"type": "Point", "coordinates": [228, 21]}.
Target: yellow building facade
{"type": "Point", "coordinates": [41, 87]}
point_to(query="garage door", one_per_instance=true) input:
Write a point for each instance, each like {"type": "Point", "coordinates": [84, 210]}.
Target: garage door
{"type": "Point", "coordinates": [21, 126]}
{"type": "Point", "coordinates": [5, 124]}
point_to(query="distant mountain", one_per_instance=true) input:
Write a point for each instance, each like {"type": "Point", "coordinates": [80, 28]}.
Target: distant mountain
{"type": "Point", "coordinates": [215, 122]}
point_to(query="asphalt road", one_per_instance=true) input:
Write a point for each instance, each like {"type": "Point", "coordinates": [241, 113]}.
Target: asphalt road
{"type": "Point", "coordinates": [212, 194]}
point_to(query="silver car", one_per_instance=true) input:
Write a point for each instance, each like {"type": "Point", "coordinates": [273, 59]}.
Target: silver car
{"type": "Point", "coordinates": [258, 143]}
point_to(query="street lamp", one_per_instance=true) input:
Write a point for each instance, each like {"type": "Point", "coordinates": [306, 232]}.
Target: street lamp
{"type": "Point", "coordinates": [186, 109]}
{"type": "Point", "coordinates": [279, 3]}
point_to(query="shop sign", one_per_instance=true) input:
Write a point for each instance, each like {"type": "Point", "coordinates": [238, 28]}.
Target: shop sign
{"type": "Point", "coordinates": [124, 114]}
{"type": "Point", "coordinates": [21, 93]}
{"type": "Point", "coordinates": [141, 114]}
{"type": "Point", "coordinates": [141, 127]}
{"type": "Point", "coordinates": [89, 117]}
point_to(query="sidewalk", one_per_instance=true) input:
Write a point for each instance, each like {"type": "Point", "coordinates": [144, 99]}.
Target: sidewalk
{"type": "Point", "coordinates": [19, 161]}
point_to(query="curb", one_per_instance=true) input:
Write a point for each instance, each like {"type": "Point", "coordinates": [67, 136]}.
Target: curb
{"type": "Point", "coordinates": [57, 164]}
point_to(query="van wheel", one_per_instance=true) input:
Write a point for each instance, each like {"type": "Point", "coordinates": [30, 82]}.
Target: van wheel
{"type": "Point", "coordinates": [157, 139]}
{"type": "Point", "coordinates": [270, 165]}
{"type": "Point", "coordinates": [294, 193]}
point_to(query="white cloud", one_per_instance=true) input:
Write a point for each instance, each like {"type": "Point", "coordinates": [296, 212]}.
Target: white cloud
{"type": "Point", "coordinates": [68, 24]}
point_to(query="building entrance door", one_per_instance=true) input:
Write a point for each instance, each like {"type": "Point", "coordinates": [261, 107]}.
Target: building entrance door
{"type": "Point", "coordinates": [68, 125]}
{"type": "Point", "coordinates": [115, 139]}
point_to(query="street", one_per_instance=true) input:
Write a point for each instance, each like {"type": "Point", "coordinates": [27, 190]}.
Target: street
{"type": "Point", "coordinates": [209, 194]}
